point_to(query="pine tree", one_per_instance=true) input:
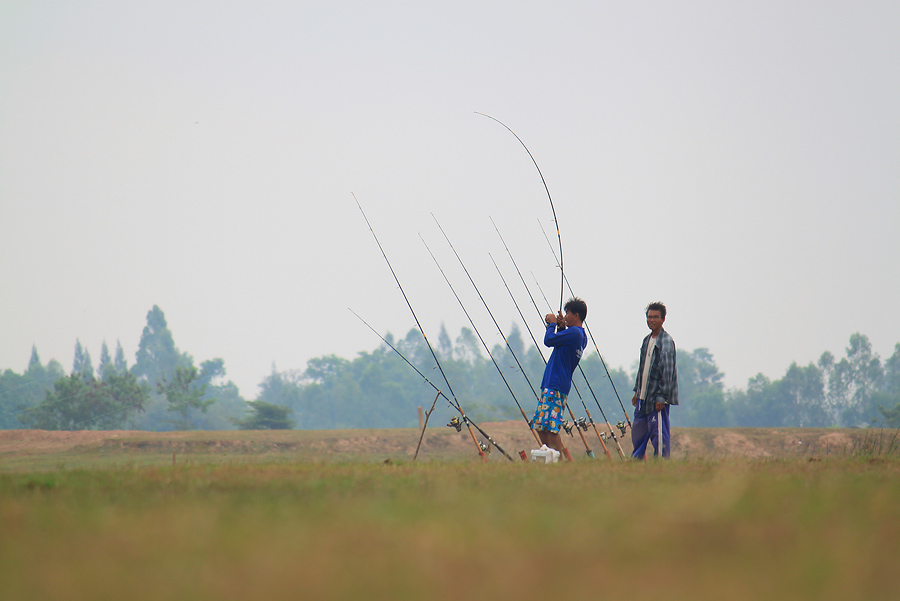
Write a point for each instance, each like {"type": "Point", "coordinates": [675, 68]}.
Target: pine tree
{"type": "Point", "coordinates": [35, 360]}
{"type": "Point", "coordinates": [119, 363]}
{"type": "Point", "coordinates": [157, 357]}
{"type": "Point", "coordinates": [82, 364]}
{"type": "Point", "coordinates": [105, 368]}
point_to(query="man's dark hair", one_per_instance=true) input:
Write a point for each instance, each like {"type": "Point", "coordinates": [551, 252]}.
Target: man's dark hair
{"type": "Point", "coordinates": [657, 306]}
{"type": "Point", "coordinates": [577, 306]}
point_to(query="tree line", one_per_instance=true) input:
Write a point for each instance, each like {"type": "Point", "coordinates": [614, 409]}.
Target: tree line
{"type": "Point", "coordinates": [165, 390]}
{"type": "Point", "coordinates": [858, 389]}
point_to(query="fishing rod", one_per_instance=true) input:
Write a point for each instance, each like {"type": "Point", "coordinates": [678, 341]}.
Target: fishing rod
{"type": "Point", "coordinates": [594, 340]}
{"type": "Point", "coordinates": [562, 270]}
{"type": "Point", "coordinates": [552, 208]}
{"type": "Point", "coordinates": [587, 447]}
{"type": "Point", "coordinates": [497, 325]}
{"type": "Point", "coordinates": [568, 455]}
{"type": "Point", "coordinates": [619, 425]}
{"type": "Point", "coordinates": [440, 393]}
{"type": "Point", "coordinates": [602, 413]}
{"type": "Point", "coordinates": [602, 437]}
{"type": "Point", "coordinates": [538, 311]}
{"type": "Point", "coordinates": [455, 401]}
{"type": "Point", "coordinates": [483, 343]}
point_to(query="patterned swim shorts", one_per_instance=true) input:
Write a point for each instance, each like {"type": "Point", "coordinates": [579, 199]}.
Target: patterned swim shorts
{"type": "Point", "coordinates": [548, 416]}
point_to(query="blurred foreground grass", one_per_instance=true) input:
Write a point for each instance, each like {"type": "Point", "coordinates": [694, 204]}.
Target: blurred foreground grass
{"type": "Point", "coordinates": [725, 529]}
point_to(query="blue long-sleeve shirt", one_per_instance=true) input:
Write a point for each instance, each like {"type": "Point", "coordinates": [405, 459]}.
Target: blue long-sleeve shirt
{"type": "Point", "coordinates": [568, 346]}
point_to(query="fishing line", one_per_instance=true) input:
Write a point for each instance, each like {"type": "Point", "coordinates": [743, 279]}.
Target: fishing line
{"type": "Point", "coordinates": [552, 208]}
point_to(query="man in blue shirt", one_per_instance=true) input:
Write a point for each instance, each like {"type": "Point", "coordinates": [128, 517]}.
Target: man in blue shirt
{"type": "Point", "coordinates": [565, 335]}
{"type": "Point", "coordinates": [656, 386]}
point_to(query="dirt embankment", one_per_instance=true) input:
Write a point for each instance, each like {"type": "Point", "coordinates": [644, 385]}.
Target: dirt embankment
{"type": "Point", "coordinates": [768, 442]}
{"type": "Point", "coordinates": [512, 436]}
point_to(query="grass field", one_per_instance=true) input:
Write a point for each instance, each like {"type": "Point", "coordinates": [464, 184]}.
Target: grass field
{"type": "Point", "coordinates": [121, 522]}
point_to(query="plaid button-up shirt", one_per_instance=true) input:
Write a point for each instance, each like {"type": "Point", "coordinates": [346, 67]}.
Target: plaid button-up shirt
{"type": "Point", "coordinates": [662, 383]}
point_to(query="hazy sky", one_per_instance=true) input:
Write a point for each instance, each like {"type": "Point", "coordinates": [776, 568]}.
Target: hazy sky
{"type": "Point", "coordinates": [738, 161]}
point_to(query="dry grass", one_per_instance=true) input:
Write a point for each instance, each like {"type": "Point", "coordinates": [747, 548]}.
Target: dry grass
{"type": "Point", "coordinates": [31, 450]}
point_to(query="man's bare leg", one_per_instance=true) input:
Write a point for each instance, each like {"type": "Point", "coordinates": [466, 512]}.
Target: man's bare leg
{"type": "Point", "coordinates": [552, 440]}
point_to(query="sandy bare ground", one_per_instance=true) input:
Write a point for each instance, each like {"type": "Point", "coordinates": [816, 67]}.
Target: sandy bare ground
{"type": "Point", "coordinates": [439, 442]}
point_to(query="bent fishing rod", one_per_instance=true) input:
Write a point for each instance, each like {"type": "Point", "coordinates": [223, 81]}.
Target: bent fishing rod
{"type": "Point", "coordinates": [562, 270]}
{"type": "Point", "coordinates": [619, 425]}
{"type": "Point", "coordinates": [568, 455]}
{"type": "Point", "coordinates": [577, 422]}
{"type": "Point", "coordinates": [594, 340]}
{"type": "Point", "coordinates": [534, 304]}
{"type": "Point", "coordinates": [440, 393]}
{"type": "Point", "coordinates": [483, 343]}
{"type": "Point", "coordinates": [552, 208]}
{"type": "Point", "coordinates": [455, 402]}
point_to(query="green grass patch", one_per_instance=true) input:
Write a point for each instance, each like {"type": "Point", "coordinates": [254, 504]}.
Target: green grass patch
{"type": "Point", "coordinates": [288, 529]}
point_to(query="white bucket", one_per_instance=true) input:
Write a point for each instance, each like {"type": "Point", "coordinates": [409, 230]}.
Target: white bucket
{"type": "Point", "coordinates": [545, 455]}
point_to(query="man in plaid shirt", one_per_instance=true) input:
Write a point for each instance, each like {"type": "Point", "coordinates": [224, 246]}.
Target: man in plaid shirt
{"type": "Point", "coordinates": [656, 386]}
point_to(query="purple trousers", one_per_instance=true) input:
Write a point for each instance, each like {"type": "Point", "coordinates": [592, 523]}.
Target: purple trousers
{"type": "Point", "coordinates": [644, 432]}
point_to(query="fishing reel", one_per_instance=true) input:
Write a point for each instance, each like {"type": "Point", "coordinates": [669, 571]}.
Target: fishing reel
{"type": "Point", "coordinates": [485, 448]}
{"type": "Point", "coordinates": [455, 422]}
{"type": "Point", "coordinates": [582, 423]}
{"type": "Point", "coordinates": [607, 436]}
{"type": "Point", "coordinates": [567, 426]}
{"type": "Point", "coordinates": [622, 427]}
